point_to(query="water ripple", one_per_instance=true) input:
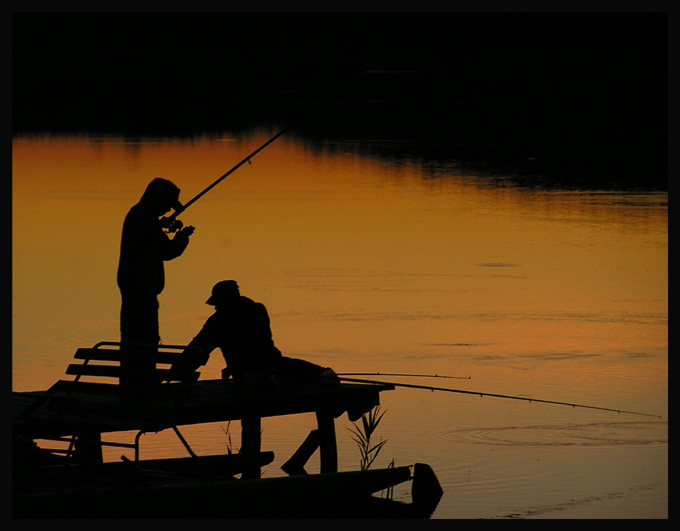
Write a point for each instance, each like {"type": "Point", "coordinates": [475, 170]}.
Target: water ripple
{"type": "Point", "coordinates": [593, 434]}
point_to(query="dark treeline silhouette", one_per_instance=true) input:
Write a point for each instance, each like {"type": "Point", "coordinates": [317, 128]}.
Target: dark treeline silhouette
{"type": "Point", "coordinates": [496, 87]}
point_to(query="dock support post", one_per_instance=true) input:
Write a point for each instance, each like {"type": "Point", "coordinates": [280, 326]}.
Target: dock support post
{"type": "Point", "coordinates": [250, 444]}
{"type": "Point", "coordinates": [328, 449]}
{"type": "Point", "coordinates": [89, 444]}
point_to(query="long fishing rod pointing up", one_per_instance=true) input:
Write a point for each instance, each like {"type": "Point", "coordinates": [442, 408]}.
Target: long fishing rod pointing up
{"type": "Point", "coordinates": [526, 399]}
{"type": "Point", "coordinates": [169, 220]}
{"type": "Point", "coordinates": [172, 216]}
{"type": "Point", "coordinates": [232, 170]}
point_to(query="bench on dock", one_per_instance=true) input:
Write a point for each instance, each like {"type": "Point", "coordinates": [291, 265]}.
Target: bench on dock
{"type": "Point", "coordinates": [99, 379]}
{"type": "Point", "coordinates": [109, 359]}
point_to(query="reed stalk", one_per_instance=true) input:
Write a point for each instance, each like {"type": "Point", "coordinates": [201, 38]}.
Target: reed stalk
{"type": "Point", "coordinates": [362, 436]}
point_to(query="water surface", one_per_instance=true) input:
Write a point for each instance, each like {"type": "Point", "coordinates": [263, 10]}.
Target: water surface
{"type": "Point", "coordinates": [367, 265]}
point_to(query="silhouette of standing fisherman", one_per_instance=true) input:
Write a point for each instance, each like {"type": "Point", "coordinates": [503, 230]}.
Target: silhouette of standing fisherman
{"type": "Point", "coordinates": [141, 274]}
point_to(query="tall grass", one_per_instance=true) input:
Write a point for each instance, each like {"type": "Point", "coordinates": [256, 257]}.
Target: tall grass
{"type": "Point", "coordinates": [362, 436]}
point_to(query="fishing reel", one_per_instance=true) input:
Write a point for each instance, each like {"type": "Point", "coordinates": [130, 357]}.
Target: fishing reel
{"type": "Point", "coordinates": [170, 224]}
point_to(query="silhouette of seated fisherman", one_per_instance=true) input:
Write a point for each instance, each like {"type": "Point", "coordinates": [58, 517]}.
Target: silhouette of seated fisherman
{"type": "Point", "coordinates": [240, 328]}
{"type": "Point", "coordinates": [144, 248]}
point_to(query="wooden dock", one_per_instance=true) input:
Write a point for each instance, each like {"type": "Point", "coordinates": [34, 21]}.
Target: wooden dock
{"type": "Point", "coordinates": [85, 411]}
{"type": "Point", "coordinates": [77, 483]}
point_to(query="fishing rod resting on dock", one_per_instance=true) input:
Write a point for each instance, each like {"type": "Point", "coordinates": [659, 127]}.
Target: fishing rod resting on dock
{"type": "Point", "coordinates": [494, 395]}
{"type": "Point", "coordinates": [403, 374]}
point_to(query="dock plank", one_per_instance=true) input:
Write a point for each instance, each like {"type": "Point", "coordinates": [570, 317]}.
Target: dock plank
{"type": "Point", "coordinates": [201, 402]}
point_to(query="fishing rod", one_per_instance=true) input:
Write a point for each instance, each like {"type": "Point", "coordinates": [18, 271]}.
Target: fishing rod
{"type": "Point", "coordinates": [429, 388]}
{"type": "Point", "coordinates": [232, 170]}
{"type": "Point", "coordinates": [402, 374]}
{"type": "Point", "coordinates": [172, 224]}
{"type": "Point", "coordinates": [170, 221]}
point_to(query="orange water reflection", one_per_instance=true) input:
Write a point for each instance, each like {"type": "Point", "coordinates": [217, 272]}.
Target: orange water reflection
{"type": "Point", "coordinates": [363, 265]}
{"type": "Point", "coordinates": [369, 266]}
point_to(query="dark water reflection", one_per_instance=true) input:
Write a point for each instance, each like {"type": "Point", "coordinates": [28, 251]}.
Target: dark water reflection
{"type": "Point", "coordinates": [504, 165]}
{"type": "Point", "coordinates": [573, 101]}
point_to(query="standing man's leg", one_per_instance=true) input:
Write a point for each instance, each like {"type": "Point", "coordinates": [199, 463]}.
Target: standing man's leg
{"type": "Point", "coordinates": [139, 333]}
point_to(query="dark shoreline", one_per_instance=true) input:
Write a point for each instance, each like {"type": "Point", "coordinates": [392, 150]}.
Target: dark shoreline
{"type": "Point", "coordinates": [577, 99]}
